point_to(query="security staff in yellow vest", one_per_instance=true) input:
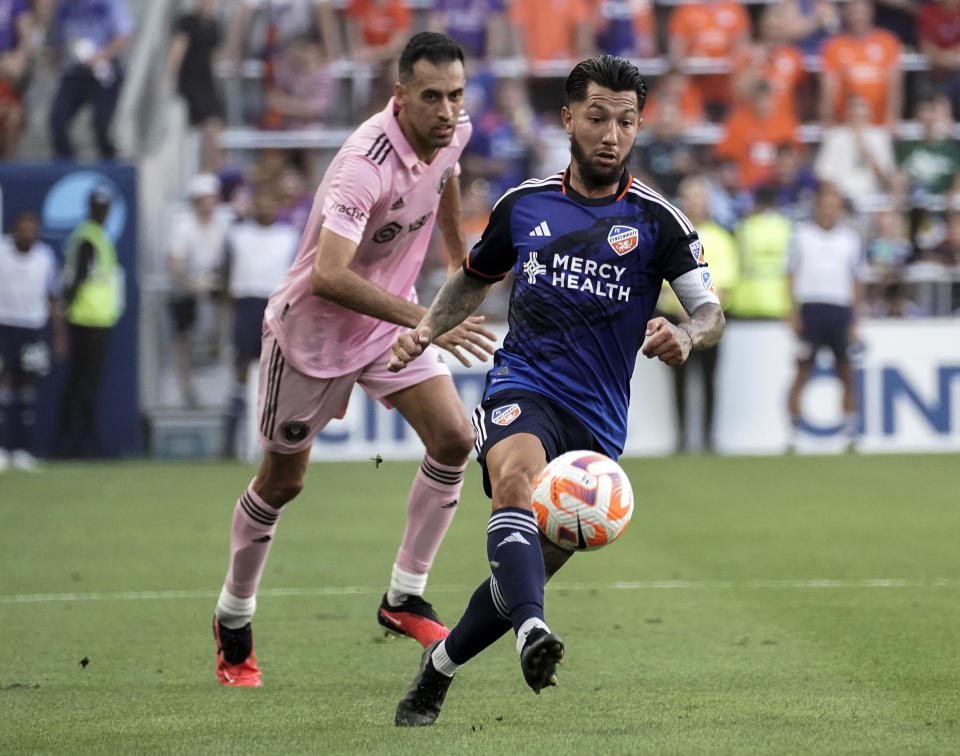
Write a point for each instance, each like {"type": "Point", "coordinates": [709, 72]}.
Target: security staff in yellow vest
{"type": "Point", "coordinates": [763, 240]}
{"type": "Point", "coordinates": [720, 252]}
{"type": "Point", "coordinates": [93, 291]}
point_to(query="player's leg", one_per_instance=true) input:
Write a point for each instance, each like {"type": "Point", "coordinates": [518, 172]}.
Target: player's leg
{"type": "Point", "coordinates": [292, 408]}
{"type": "Point", "coordinates": [254, 525]}
{"type": "Point", "coordinates": [183, 313]}
{"type": "Point", "coordinates": [806, 354]}
{"type": "Point", "coordinates": [679, 375]}
{"type": "Point", "coordinates": [708, 361]}
{"type": "Point", "coordinates": [7, 361]}
{"type": "Point", "coordinates": [247, 333]}
{"type": "Point", "coordinates": [840, 345]}
{"type": "Point", "coordinates": [434, 410]}
{"type": "Point", "coordinates": [33, 365]}
{"type": "Point", "coordinates": [515, 556]}
{"type": "Point", "coordinates": [93, 352]}
{"type": "Point", "coordinates": [535, 422]}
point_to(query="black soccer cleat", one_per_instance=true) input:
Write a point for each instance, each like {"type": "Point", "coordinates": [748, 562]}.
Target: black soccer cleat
{"type": "Point", "coordinates": [539, 658]}
{"type": "Point", "coordinates": [414, 618]}
{"type": "Point", "coordinates": [421, 704]}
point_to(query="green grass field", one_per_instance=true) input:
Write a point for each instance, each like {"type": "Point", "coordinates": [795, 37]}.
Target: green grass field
{"type": "Point", "coordinates": [755, 605]}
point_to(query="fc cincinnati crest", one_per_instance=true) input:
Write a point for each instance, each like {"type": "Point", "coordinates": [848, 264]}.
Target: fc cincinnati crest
{"type": "Point", "coordinates": [623, 239]}
{"type": "Point", "coordinates": [696, 249]}
{"type": "Point", "coordinates": [506, 414]}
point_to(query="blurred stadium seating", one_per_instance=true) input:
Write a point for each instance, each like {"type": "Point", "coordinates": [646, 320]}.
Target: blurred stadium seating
{"type": "Point", "coordinates": [152, 133]}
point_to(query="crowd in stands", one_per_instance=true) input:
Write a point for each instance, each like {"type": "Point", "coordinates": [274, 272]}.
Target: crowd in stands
{"type": "Point", "coordinates": [752, 106]}
{"type": "Point", "coordinates": [768, 98]}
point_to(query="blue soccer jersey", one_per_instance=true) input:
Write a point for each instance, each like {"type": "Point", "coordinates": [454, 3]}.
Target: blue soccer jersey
{"type": "Point", "coordinates": [587, 275]}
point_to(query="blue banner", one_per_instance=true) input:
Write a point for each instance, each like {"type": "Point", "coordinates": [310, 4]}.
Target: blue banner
{"type": "Point", "coordinates": [58, 193]}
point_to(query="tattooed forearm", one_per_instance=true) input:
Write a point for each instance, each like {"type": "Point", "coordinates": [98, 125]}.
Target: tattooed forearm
{"type": "Point", "coordinates": [456, 300]}
{"type": "Point", "coordinates": [705, 327]}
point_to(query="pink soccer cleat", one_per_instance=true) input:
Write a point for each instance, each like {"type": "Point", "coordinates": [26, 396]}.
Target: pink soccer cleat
{"type": "Point", "coordinates": [236, 662]}
{"type": "Point", "coordinates": [414, 618]}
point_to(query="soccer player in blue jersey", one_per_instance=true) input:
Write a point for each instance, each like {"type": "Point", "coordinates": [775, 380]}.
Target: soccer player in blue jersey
{"type": "Point", "coordinates": [589, 249]}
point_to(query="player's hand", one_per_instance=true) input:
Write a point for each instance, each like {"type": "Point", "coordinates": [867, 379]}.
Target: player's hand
{"type": "Point", "coordinates": [472, 337]}
{"type": "Point", "coordinates": [408, 346]}
{"type": "Point", "coordinates": [667, 342]}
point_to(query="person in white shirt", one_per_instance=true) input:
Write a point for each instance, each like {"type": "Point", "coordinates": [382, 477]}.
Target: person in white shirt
{"type": "Point", "coordinates": [259, 251]}
{"type": "Point", "coordinates": [857, 156]}
{"type": "Point", "coordinates": [195, 259]}
{"type": "Point", "coordinates": [825, 263]}
{"type": "Point", "coordinates": [29, 303]}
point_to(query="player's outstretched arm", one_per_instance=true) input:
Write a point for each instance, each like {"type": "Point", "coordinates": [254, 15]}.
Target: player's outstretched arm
{"type": "Point", "coordinates": [447, 324]}
{"type": "Point", "coordinates": [672, 344]}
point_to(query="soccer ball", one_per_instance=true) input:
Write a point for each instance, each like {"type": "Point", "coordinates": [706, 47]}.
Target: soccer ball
{"type": "Point", "coordinates": [582, 500]}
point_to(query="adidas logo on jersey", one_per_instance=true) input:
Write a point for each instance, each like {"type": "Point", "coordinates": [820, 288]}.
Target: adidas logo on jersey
{"type": "Point", "coordinates": [541, 230]}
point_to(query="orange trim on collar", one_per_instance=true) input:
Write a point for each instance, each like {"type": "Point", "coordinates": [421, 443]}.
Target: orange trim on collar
{"type": "Point", "coordinates": [626, 188]}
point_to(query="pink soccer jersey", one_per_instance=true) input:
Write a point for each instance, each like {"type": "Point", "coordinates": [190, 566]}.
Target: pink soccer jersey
{"type": "Point", "coordinates": [378, 193]}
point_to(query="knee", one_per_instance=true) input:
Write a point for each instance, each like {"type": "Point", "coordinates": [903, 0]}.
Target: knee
{"type": "Point", "coordinates": [278, 490]}
{"type": "Point", "coordinates": [452, 446]}
{"type": "Point", "coordinates": [514, 489]}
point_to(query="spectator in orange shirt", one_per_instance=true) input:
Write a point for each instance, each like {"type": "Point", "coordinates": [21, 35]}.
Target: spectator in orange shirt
{"type": "Point", "coordinates": [772, 58]}
{"type": "Point", "coordinates": [711, 29]}
{"type": "Point", "coordinates": [551, 30]}
{"type": "Point", "coordinates": [378, 29]}
{"type": "Point", "coordinates": [864, 61]}
{"type": "Point", "coordinates": [752, 133]}
{"type": "Point", "coordinates": [376, 32]}
{"type": "Point", "coordinates": [676, 86]}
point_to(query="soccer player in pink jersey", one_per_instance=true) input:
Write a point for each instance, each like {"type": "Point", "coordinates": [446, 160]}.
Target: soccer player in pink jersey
{"type": "Point", "coordinates": [330, 325]}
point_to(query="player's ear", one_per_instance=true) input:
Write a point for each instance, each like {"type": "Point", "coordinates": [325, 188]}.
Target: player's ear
{"type": "Point", "coordinates": [567, 118]}
{"type": "Point", "coordinates": [399, 92]}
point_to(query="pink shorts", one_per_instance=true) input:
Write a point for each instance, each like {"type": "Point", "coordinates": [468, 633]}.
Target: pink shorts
{"type": "Point", "coordinates": [292, 408]}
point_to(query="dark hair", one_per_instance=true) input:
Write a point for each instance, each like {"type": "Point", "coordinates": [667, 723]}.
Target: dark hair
{"type": "Point", "coordinates": [609, 71]}
{"type": "Point", "coordinates": [764, 196]}
{"type": "Point", "coordinates": [434, 47]}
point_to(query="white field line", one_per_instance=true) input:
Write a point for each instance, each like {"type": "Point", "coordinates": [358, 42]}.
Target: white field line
{"type": "Point", "coordinates": [640, 585]}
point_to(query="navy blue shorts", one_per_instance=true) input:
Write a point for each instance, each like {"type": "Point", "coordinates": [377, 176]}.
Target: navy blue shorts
{"type": "Point", "coordinates": [825, 325]}
{"type": "Point", "coordinates": [248, 327]}
{"type": "Point", "coordinates": [24, 352]}
{"type": "Point", "coordinates": [514, 411]}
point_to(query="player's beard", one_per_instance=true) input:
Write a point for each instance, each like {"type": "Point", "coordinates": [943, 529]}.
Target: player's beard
{"type": "Point", "coordinates": [591, 175]}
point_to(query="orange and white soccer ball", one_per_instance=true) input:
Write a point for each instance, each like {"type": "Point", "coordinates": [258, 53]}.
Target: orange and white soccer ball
{"type": "Point", "coordinates": [582, 500]}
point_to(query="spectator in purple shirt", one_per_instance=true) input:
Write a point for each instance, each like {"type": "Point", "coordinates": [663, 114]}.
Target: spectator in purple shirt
{"type": "Point", "coordinates": [90, 36]}
{"type": "Point", "coordinates": [15, 28]}
{"type": "Point", "coordinates": [478, 25]}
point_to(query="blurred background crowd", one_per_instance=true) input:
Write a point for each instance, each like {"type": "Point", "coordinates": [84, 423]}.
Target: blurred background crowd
{"type": "Point", "coordinates": [752, 107]}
